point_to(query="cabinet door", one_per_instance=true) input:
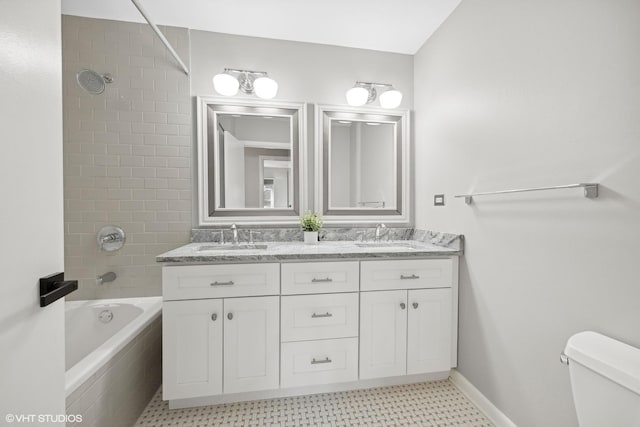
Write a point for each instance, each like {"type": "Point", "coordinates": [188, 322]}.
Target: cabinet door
{"type": "Point", "coordinates": [383, 334]}
{"type": "Point", "coordinates": [251, 344]}
{"type": "Point", "coordinates": [192, 348]}
{"type": "Point", "coordinates": [429, 334]}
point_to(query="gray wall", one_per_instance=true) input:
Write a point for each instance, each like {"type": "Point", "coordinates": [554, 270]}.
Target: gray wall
{"type": "Point", "coordinates": [305, 72]}
{"type": "Point", "coordinates": [127, 154]}
{"type": "Point", "coordinates": [368, 175]}
{"type": "Point", "coordinates": [517, 94]}
{"type": "Point", "coordinates": [341, 165]}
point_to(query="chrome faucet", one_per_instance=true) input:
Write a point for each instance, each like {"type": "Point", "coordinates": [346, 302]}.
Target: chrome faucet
{"type": "Point", "coordinates": [379, 228]}
{"type": "Point", "coordinates": [105, 278]}
{"type": "Point", "coordinates": [234, 230]}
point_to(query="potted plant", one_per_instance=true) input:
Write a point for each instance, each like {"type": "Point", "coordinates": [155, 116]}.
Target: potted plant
{"type": "Point", "coordinates": [310, 223]}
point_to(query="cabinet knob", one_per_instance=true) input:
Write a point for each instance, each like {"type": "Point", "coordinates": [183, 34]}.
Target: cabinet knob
{"type": "Point", "coordinates": [403, 305]}
{"type": "Point", "coordinates": [214, 316]}
{"type": "Point", "coordinates": [415, 305]}
{"type": "Point", "coordinates": [230, 316]}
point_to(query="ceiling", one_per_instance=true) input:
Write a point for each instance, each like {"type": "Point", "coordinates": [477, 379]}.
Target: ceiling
{"type": "Point", "coordinates": [400, 26]}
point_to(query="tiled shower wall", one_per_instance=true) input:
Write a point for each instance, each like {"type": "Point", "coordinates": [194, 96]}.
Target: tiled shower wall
{"type": "Point", "coordinates": [127, 153]}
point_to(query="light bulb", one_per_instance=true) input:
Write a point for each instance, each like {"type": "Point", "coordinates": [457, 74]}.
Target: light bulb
{"type": "Point", "coordinates": [265, 87]}
{"type": "Point", "coordinates": [391, 99]}
{"type": "Point", "coordinates": [357, 96]}
{"type": "Point", "coordinates": [225, 84]}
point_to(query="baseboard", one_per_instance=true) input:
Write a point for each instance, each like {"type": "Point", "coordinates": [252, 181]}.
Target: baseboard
{"type": "Point", "coordinates": [489, 409]}
{"type": "Point", "coordinates": [308, 390]}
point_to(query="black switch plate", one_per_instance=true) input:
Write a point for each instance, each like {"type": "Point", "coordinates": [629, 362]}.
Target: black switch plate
{"type": "Point", "coordinates": [438, 200]}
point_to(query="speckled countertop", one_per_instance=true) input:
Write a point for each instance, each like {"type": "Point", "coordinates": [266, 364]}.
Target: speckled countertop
{"type": "Point", "coordinates": [279, 251]}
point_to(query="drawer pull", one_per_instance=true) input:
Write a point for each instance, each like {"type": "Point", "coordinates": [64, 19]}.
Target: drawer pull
{"type": "Point", "coordinates": [214, 317]}
{"type": "Point", "coordinates": [327, 314]}
{"type": "Point", "coordinates": [412, 277]}
{"type": "Point", "coordinates": [216, 283]}
{"type": "Point", "coordinates": [403, 305]}
{"type": "Point", "coordinates": [328, 279]}
{"type": "Point", "coordinates": [415, 305]}
{"type": "Point", "coordinates": [230, 316]}
{"type": "Point", "coordinates": [317, 362]}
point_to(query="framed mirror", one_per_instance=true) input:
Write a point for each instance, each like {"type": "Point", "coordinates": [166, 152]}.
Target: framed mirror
{"type": "Point", "coordinates": [251, 158]}
{"type": "Point", "coordinates": [362, 167]}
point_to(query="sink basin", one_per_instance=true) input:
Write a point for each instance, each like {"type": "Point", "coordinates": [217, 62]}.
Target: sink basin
{"type": "Point", "coordinates": [245, 247]}
{"type": "Point", "coordinates": [398, 245]}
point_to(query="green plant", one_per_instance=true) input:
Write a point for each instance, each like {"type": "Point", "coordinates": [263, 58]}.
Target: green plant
{"type": "Point", "coordinates": [310, 222]}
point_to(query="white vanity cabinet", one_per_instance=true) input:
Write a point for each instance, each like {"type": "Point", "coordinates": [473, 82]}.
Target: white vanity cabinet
{"type": "Point", "coordinates": [251, 344]}
{"type": "Point", "coordinates": [406, 329]}
{"type": "Point", "coordinates": [319, 323]}
{"type": "Point", "coordinates": [235, 332]}
{"type": "Point", "coordinates": [225, 341]}
{"type": "Point", "coordinates": [192, 334]}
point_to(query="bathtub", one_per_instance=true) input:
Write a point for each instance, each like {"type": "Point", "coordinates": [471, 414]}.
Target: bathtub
{"type": "Point", "coordinates": [113, 353]}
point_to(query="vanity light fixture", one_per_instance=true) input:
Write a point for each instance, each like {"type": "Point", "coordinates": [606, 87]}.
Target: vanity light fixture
{"type": "Point", "coordinates": [365, 93]}
{"type": "Point", "coordinates": [231, 80]}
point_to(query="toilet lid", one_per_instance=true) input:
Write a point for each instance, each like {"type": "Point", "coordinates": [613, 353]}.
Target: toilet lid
{"type": "Point", "coordinates": [610, 358]}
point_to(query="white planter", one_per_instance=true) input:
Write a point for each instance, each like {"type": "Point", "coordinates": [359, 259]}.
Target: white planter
{"type": "Point", "coordinates": [311, 237]}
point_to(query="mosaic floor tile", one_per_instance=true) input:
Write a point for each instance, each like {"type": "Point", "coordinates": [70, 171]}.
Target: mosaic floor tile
{"type": "Point", "coordinates": [429, 404]}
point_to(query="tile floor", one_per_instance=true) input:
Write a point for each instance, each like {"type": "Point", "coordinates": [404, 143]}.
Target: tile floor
{"type": "Point", "coordinates": [436, 404]}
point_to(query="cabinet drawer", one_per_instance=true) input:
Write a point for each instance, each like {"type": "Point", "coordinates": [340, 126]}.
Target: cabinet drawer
{"type": "Point", "coordinates": [219, 281]}
{"type": "Point", "coordinates": [319, 362]}
{"type": "Point", "coordinates": [313, 317]}
{"type": "Point", "coordinates": [406, 274]}
{"type": "Point", "coordinates": [319, 277]}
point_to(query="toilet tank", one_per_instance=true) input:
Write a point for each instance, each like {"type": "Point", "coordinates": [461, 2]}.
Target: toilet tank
{"type": "Point", "coordinates": [605, 380]}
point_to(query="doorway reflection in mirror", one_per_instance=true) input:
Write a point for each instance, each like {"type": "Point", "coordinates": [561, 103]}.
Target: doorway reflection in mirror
{"type": "Point", "coordinates": [255, 161]}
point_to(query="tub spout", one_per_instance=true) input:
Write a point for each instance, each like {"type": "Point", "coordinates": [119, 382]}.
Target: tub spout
{"type": "Point", "coordinates": [106, 278]}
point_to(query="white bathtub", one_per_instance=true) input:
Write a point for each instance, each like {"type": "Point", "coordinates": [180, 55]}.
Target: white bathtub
{"type": "Point", "coordinates": [91, 343]}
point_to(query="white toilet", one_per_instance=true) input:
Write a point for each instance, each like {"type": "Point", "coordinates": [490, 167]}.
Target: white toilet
{"type": "Point", "coordinates": [605, 379]}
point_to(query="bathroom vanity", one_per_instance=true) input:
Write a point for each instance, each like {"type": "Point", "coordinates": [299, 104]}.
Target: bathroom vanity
{"type": "Point", "coordinates": [250, 322]}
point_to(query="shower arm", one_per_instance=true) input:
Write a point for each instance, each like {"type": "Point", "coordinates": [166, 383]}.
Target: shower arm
{"type": "Point", "coordinates": [161, 36]}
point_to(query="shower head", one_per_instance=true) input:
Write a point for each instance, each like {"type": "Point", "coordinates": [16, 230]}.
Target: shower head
{"type": "Point", "coordinates": [93, 82]}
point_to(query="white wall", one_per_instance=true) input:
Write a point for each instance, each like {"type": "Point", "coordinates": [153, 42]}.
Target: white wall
{"type": "Point", "coordinates": [517, 94]}
{"type": "Point", "coordinates": [31, 219]}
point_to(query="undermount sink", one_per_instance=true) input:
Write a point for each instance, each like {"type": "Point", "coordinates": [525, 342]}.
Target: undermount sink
{"type": "Point", "coordinates": [231, 247]}
{"type": "Point", "coordinates": [398, 245]}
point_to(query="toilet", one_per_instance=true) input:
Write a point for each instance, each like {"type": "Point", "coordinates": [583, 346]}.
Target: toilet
{"type": "Point", "coordinates": [605, 380]}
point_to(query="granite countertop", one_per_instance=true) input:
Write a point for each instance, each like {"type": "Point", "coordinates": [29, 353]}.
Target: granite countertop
{"type": "Point", "coordinates": [279, 251]}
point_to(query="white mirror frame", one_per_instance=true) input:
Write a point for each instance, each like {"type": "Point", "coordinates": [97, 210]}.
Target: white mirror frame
{"type": "Point", "coordinates": [204, 218]}
{"type": "Point", "coordinates": [363, 216]}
